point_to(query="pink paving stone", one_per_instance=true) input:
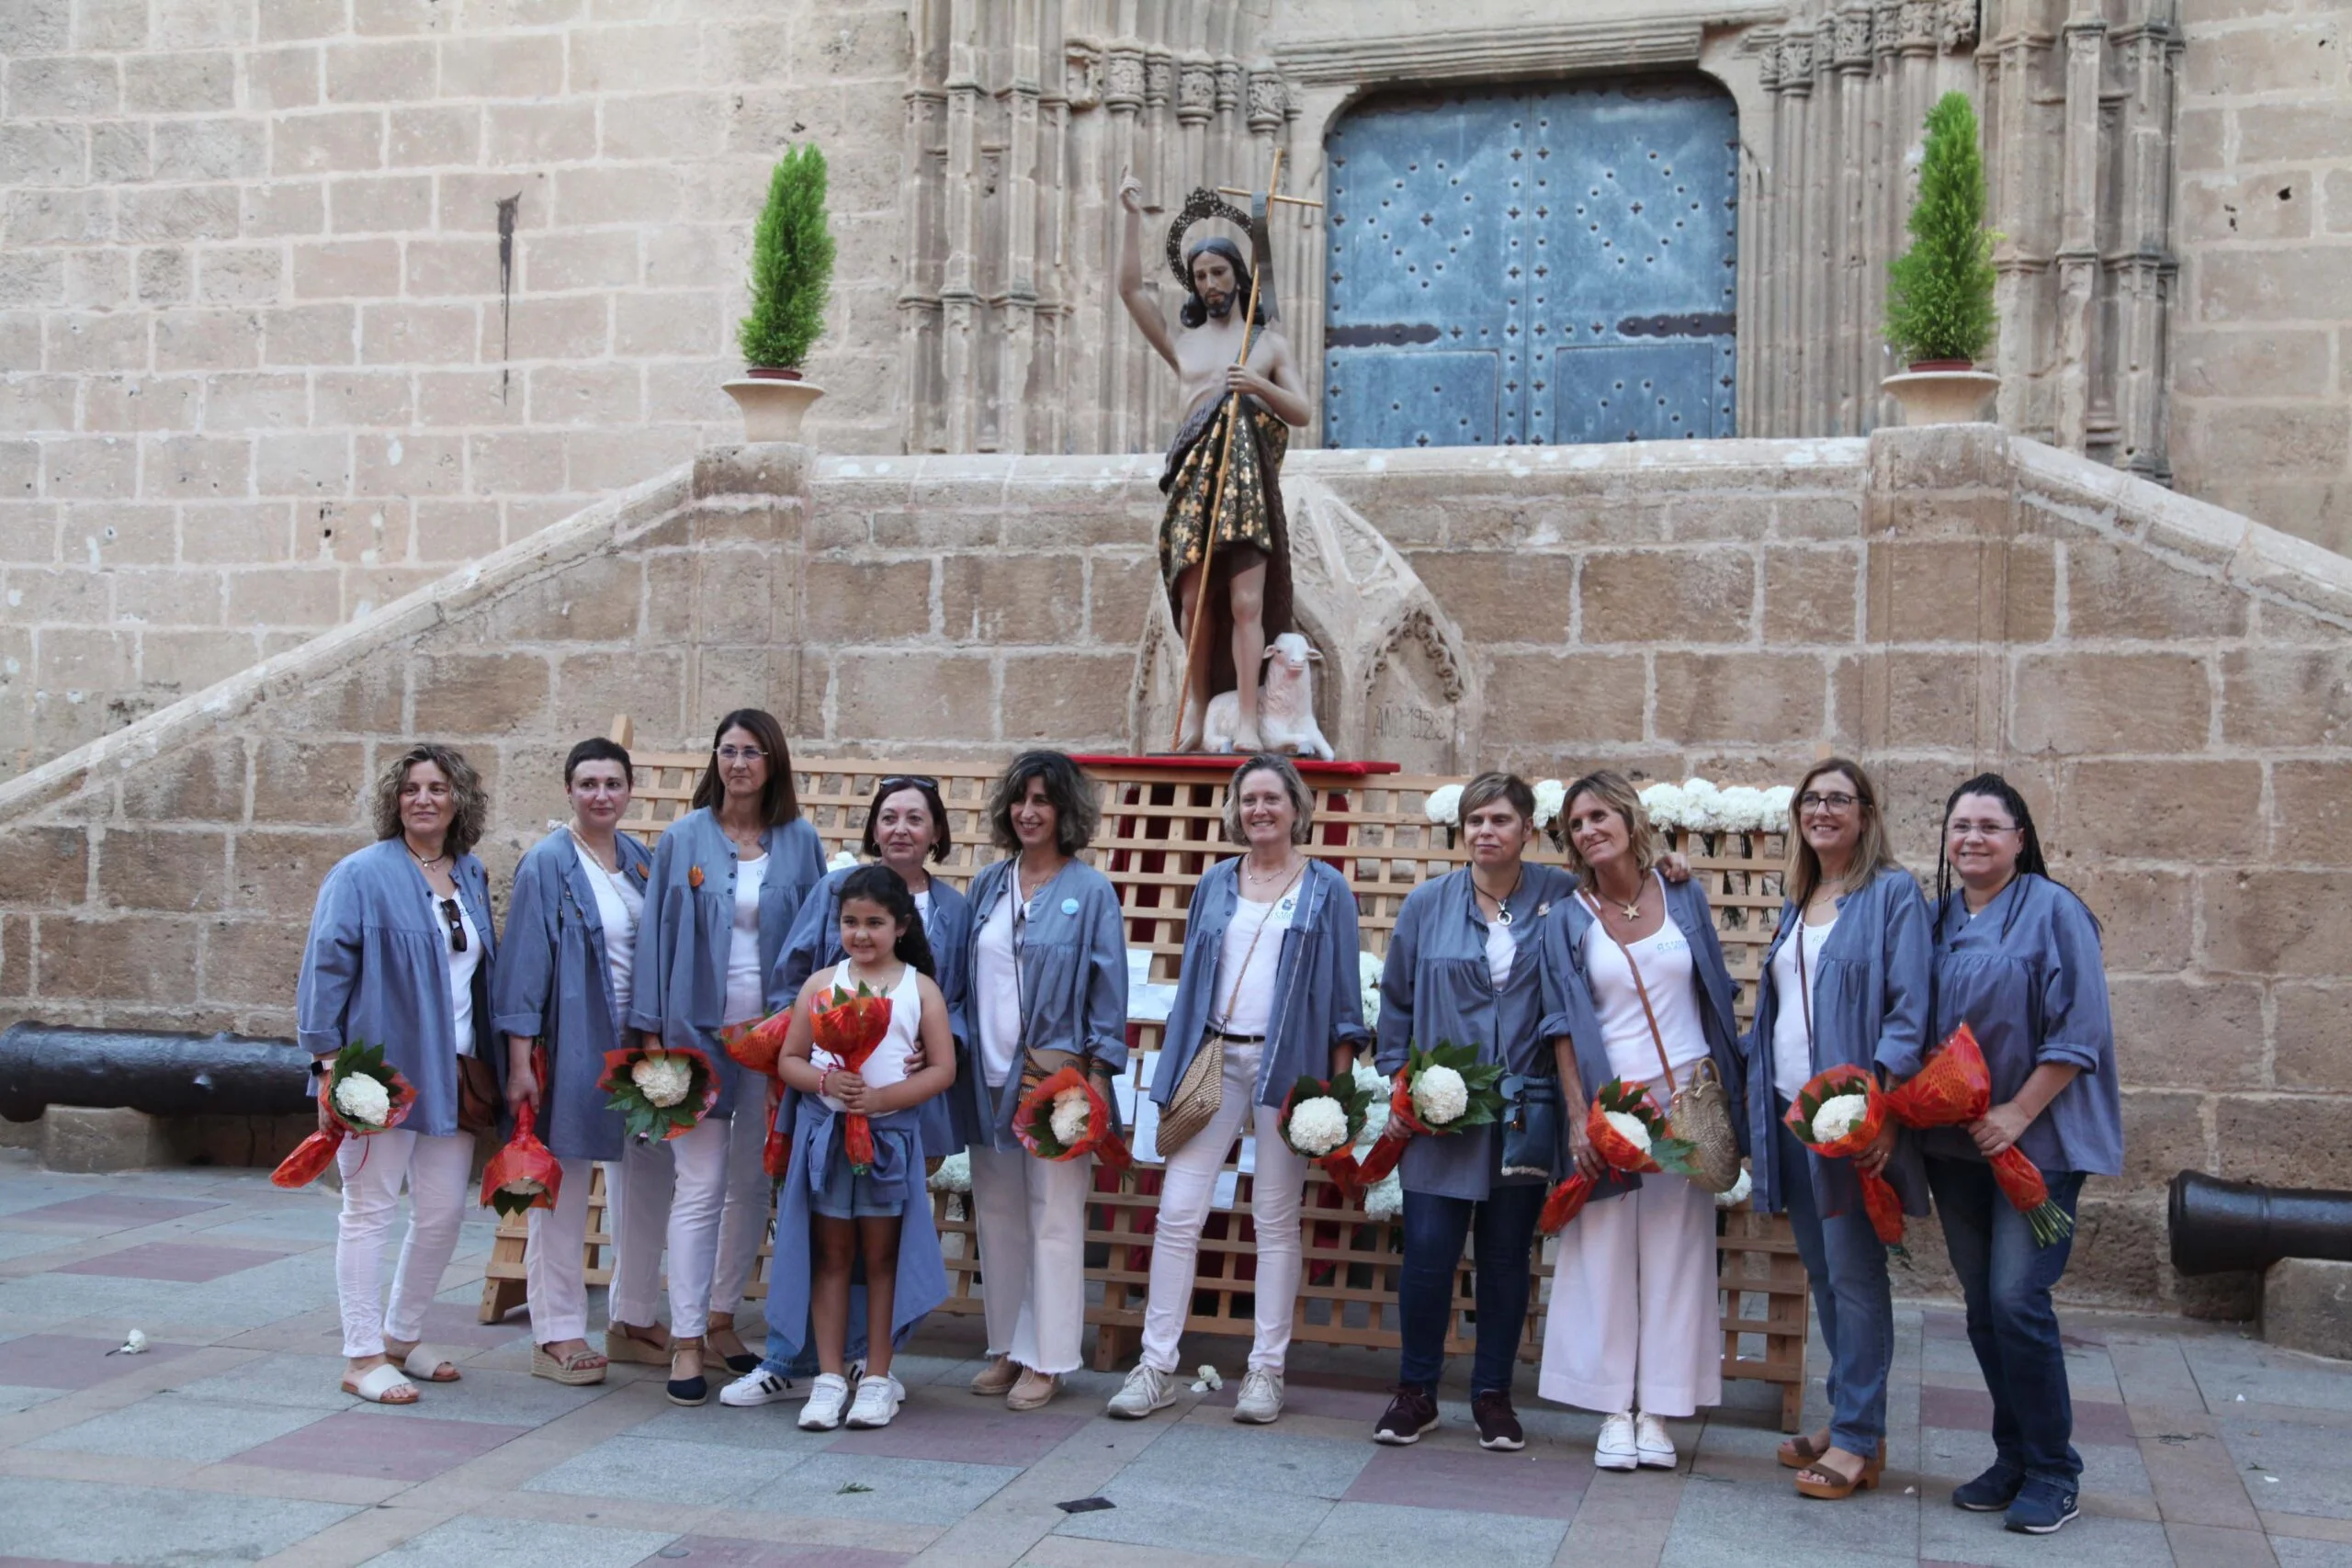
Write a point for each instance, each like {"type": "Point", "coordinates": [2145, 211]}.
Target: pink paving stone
{"type": "Point", "coordinates": [1477, 1483]}
{"type": "Point", "coordinates": [721, 1551]}
{"type": "Point", "coordinates": [64, 1361]}
{"type": "Point", "coordinates": [113, 1210]}
{"type": "Point", "coordinates": [989, 1435]}
{"type": "Point", "coordinates": [1971, 1410]}
{"type": "Point", "coordinates": [452, 1322]}
{"type": "Point", "coordinates": [191, 1263]}
{"type": "Point", "coordinates": [382, 1447]}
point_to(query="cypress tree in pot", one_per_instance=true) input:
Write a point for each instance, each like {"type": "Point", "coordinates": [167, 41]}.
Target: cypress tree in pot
{"type": "Point", "coordinates": [791, 279]}
{"type": "Point", "coordinates": [1939, 310]}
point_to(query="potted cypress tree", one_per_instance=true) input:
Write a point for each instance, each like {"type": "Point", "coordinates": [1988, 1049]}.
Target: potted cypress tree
{"type": "Point", "coordinates": [1939, 314]}
{"type": "Point", "coordinates": [792, 275]}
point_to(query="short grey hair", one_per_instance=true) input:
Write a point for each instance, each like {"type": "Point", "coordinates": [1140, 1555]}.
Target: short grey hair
{"type": "Point", "coordinates": [1302, 799]}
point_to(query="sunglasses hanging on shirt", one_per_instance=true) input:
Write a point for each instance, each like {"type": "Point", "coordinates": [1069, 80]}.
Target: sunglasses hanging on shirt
{"type": "Point", "coordinates": [456, 925]}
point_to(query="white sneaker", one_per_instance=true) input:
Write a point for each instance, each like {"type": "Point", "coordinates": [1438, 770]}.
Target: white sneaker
{"type": "Point", "coordinates": [1651, 1443]}
{"type": "Point", "coordinates": [1616, 1449]}
{"type": "Point", "coordinates": [762, 1387]}
{"type": "Point", "coordinates": [826, 1397]}
{"type": "Point", "coordinates": [1145, 1390]}
{"type": "Point", "coordinates": [877, 1401]}
{"type": "Point", "coordinates": [1261, 1398]}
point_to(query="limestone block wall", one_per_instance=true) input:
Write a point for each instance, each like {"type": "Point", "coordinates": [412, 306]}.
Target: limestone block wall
{"type": "Point", "coordinates": [265, 359]}
{"type": "Point", "coordinates": [2169, 683]}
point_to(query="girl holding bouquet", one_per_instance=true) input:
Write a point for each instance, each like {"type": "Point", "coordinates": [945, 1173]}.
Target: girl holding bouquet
{"type": "Point", "coordinates": [1462, 971]}
{"type": "Point", "coordinates": [855, 1189]}
{"type": "Point", "coordinates": [1269, 983]}
{"type": "Point", "coordinates": [2018, 959]}
{"type": "Point", "coordinates": [399, 957]}
{"type": "Point", "coordinates": [1635, 988]}
{"type": "Point", "coordinates": [727, 879]}
{"type": "Point", "coordinates": [906, 830]}
{"type": "Point", "coordinates": [1844, 983]}
{"type": "Point", "coordinates": [1048, 971]}
{"type": "Point", "coordinates": [563, 984]}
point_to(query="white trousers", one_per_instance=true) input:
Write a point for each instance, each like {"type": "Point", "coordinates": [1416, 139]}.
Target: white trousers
{"type": "Point", "coordinates": [751, 1198]}
{"type": "Point", "coordinates": [638, 1218]}
{"type": "Point", "coordinates": [719, 1249]}
{"type": "Point", "coordinates": [555, 1261]}
{"type": "Point", "coordinates": [1032, 1219]}
{"type": "Point", "coordinates": [438, 1170]}
{"type": "Point", "coordinates": [1634, 1322]}
{"type": "Point", "coordinates": [1185, 1193]}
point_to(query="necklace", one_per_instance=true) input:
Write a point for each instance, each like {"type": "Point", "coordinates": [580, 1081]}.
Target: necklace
{"type": "Point", "coordinates": [1029, 894]}
{"type": "Point", "coordinates": [420, 860]}
{"type": "Point", "coordinates": [1254, 875]}
{"type": "Point", "coordinates": [1633, 911]}
{"type": "Point", "coordinates": [736, 838]}
{"type": "Point", "coordinates": [1502, 904]}
{"type": "Point", "coordinates": [590, 850]}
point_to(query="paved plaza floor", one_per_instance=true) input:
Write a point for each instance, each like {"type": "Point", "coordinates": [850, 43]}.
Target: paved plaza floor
{"type": "Point", "coordinates": [229, 1443]}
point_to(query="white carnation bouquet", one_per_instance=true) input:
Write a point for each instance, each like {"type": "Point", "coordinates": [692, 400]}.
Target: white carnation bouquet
{"type": "Point", "coordinates": [1699, 805]}
{"type": "Point", "coordinates": [1321, 1121]}
{"type": "Point", "coordinates": [660, 1092]}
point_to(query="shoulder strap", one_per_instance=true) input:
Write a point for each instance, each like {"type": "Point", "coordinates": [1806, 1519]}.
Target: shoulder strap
{"type": "Point", "coordinates": [1641, 990]}
{"type": "Point", "coordinates": [1805, 987]}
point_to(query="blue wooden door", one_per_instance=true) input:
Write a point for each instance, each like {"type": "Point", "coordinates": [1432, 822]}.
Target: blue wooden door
{"type": "Point", "coordinates": [1535, 264]}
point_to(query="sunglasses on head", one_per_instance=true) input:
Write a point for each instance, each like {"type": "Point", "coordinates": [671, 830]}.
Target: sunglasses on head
{"type": "Point", "coordinates": [907, 780]}
{"type": "Point", "coordinates": [456, 925]}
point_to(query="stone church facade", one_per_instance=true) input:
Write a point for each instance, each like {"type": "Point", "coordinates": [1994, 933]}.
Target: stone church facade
{"type": "Point", "coordinates": [267, 360]}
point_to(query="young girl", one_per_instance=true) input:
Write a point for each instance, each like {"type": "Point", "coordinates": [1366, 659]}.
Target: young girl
{"type": "Point", "coordinates": [830, 1215]}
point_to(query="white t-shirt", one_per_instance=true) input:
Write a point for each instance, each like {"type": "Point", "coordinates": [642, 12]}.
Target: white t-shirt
{"type": "Point", "coordinates": [461, 972]}
{"type": "Point", "coordinates": [922, 905]}
{"type": "Point", "coordinates": [619, 905]}
{"type": "Point", "coordinates": [1502, 948]}
{"type": "Point", "coordinates": [1791, 1040]}
{"type": "Point", "coordinates": [887, 1065]}
{"type": "Point", "coordinates": [1666, 960]}
{"type": "Point", "coordinates": [746, 995]}
{"type": "Point", "coordinates": [1245, 977]}
{"type": "Point", "coordinates": [996, 993]}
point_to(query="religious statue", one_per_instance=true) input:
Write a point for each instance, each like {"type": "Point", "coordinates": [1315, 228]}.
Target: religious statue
{"type": "Point", "coordinates": [1223, 469]}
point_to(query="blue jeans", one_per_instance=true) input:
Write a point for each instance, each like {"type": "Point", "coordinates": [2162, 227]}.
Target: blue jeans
{"type": "Point", "coordinates": [1435, 1229]}
{"type": "Point", "coordinates": [1846, 1263]}
{"type": "Point", "coordinates": [2006, 1281]}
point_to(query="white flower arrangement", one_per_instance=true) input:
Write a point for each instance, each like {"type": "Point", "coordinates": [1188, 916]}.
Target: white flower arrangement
{"type": "Point", "coordinates": [1069, 1116]}
{"type": "Point", "coordinates": [661, 1079]}
{"type": "Point", "coordinates": [1551, 794]}
{"type": "Point", "coordinates": [954, 1175]}
{"type": "Point", "coordinates": [1440, 1095]}
{"type": "Point", "coordinates": [1777, 801]}
{"type": "Point", "coordinates": [1317, 1126]}
{"type": "Point", "coordinates": [1444, 805]}
{"type": "Point", "coordinates": [1837, 1116]}
{"type": "Point", "coordinates": [1374, 1084]}
{"type": "Point", "coordinates": [842, 861]}
{"type": "Point", "coordinates": [1209, 1379]}
{"type": "Point", "coordinates": [1368, 973]}
{"type": "Point", "coordinates": [1386, 1198]}
{"type": "Point", "coordinates": [1698, 806]}
{"type": "Point", "coordinates": [1629, 1127]}
{"type": "Point", "coordinates": [1736, 1194]}
{"type": "Point", "coordinates": [363, 1101]}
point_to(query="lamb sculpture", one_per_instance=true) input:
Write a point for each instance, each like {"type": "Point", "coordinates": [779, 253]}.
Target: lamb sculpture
{"type": "Point", "coordinates": [1285, 703]}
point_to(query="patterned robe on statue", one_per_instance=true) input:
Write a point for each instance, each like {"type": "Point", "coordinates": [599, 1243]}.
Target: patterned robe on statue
{"type": "Point", "coordinates": [1252, 516]}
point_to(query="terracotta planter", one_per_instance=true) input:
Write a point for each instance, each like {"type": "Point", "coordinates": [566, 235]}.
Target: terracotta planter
{"type": "Point", "coordinates": [774, 401]}
{"type": "Point", "coordinates": [1943, 391]}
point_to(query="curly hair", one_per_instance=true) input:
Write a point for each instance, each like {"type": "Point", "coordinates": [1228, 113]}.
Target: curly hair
{"type": "Point", "coordinates": [472, 813]}
{"type": "Point", "coordinates": [1076, 816]}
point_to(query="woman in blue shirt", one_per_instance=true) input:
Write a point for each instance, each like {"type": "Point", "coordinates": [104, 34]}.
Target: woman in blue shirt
{"type": "Point", "coordinates": [1844, 983]}
{"type": "Point", "coordinates": [400, 955]}
{"type": "Point", "coordinates": [1270, 982]}
{"type": "Point", "coordinates": [728, 880]}
{"type": "Point", "coordinates": [563, 984]}
{"type": "Point", "coordinates": [2018, 960]}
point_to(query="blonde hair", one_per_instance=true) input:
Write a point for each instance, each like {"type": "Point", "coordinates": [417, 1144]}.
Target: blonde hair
{"type": "Point", "coordinates": [1616, 792]}
{"type": "Point", "coordinates": [1873, 853]}
{"type": "Point", "coordinates": [470, 802]}
{"type": "Point", "coordinates": [1302, 801]}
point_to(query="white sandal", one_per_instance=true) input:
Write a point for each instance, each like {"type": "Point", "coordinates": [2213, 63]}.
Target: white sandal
{"type": "Point", "coordinates": [429, 1362]}
{"type": "Point", "coordinates": [378, 1382]}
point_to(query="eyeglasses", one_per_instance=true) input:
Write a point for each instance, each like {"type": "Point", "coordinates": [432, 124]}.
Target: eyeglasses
{"type": "Point", "coordinates": [907, 780]}
{"type": "Point", "coordinates": [741, 754]}
{"type": "Point", "coordinates": [1963, 828]}
{"type": "Point", "coordinates": [456, 925]}
{"type": "Point", "coordinates": [1834, 800]}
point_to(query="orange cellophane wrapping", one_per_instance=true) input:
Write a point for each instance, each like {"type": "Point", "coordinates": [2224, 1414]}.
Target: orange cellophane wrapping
{"type": "Point", "coordinates": [1956, 1089]}
{"type": "Point", "coordinates": [1341, 1163]}
{"type": "Point", "coordinates": [526, 1159]}
{"type": "Point", "coordinates": [1102, 1140]}
{"type": "Point", "coordinates": [757, 1046]}
{"type": "Point", "coordinates": [848, 1032]}
{"type": "Point", "coordinates": [1880, 1201]}
{"type": "Point", "coordinates": [1567, 1200]}
{"type": "Point", "coordinates": [1400, 1129]}
{"type": "Point", "coordinates": [314, 1154]}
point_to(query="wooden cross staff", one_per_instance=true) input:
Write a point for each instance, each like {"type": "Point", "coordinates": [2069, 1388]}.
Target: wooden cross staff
{"type": "Point", "coordinates": [1196, 643]}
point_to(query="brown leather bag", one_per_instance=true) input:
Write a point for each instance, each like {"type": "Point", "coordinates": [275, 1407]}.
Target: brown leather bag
{"type": "Point", "coordinates": [477, 1100]}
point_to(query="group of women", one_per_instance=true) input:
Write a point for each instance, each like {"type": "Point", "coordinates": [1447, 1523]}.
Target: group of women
{"type": "Point", "coordinates": [1608, 970]}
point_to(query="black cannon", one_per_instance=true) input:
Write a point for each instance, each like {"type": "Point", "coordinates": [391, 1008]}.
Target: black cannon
{"type": "Point", "coordinates": [2218, 1226]}
{"type": "Point", "coordinates": [159, 1073]}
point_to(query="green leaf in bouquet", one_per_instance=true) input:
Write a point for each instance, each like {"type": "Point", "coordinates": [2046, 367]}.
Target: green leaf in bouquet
{"type": "Point", "coordinates": [1675, 1157]}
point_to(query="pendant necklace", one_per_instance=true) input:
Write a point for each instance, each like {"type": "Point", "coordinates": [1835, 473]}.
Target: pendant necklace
{"type": "Point", "coordinates": [1502, 904]}
{"type": "Point", "coordinates": [1633, 911]}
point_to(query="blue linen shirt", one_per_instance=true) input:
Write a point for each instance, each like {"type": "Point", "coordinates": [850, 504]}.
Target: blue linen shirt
{"type": "Point", "coordinates": [679, 983]}
{"type": "Point", "coordinates": [2027, 975]}
{"type": "Point", "coordinates": [1569, 1009]}
{"type": "Point", "coordinates": [1435, 987]}
{"type": "Point", "coordinates": [376, 971]}
{"type": "Point", "coordinates": [555, 983]}
{"type": "Point", "coordinates": [1870, 1010]}
{"type": "Point", "coordinates": [1318, 995]}
{"type": "Point", "coordinates": [1073, 976]}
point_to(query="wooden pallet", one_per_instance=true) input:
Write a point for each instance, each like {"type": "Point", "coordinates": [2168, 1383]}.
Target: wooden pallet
{"type": "Point", "coordinates": [1161, 829]}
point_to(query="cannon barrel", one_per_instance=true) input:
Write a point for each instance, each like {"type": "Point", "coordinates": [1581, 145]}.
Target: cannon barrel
{"type": "Point", "coordinates": [2218, 1226]}
{"type": "Point", "coordinates": [159, 1072]}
